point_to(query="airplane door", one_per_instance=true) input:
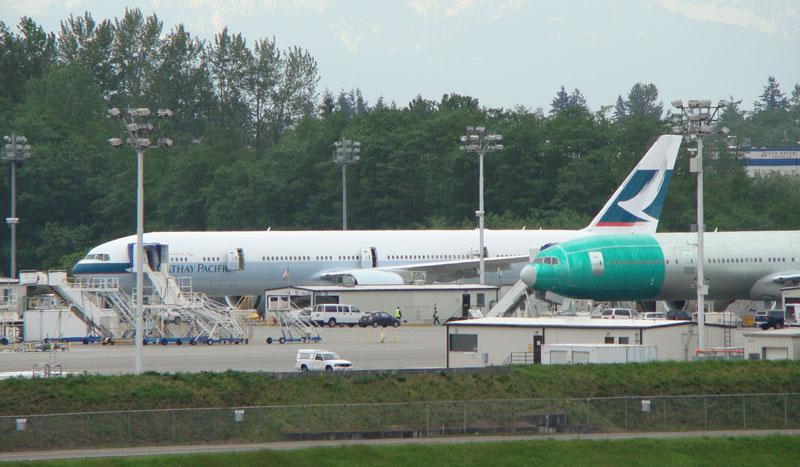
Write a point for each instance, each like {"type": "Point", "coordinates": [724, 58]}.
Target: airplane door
{"type": "Point", "coordinates": [596, 260]}
{"type": "Point", "coordinates": [236, 259]}
{"type": "Point", "coordinates": [688, 261]}
{"type": "Point", "coordinates": [366, 258]}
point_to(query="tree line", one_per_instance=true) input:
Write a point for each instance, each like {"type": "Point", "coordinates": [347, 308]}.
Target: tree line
{"type": "Point", "coordinates": [253, 145]}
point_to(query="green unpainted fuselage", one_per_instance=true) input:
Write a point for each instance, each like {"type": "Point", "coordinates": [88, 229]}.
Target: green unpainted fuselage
{"type": "Point", "coordinates": [738, 265]}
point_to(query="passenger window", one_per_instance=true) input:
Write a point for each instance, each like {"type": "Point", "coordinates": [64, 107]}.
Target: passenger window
{"type": "Point", "coordinates": [318, 357]}
{"type": "Point", "coordinates": [354, 309]}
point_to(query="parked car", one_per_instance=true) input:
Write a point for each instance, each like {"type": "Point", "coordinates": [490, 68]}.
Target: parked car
{"type": "Point", "coordinates": [336, 314]}
{"type": "Point", "coordinates": [770, 319]}
{"type": "Point", "coordinates": [378, 318]}
{"type": "Point", "coordinates": [469, 314]}
{"type": "Point", "coordinates": [679, 315]}
{"type": "Point", "coordinates": [617, 313]}
{"type": "Point", "coordinates": [320, 360]}
{"type": "Point", "coordinates": [653, 315]}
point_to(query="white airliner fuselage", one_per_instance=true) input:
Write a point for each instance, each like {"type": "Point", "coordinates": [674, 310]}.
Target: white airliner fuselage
{"type": "Point", "coordinates": [246, 263]}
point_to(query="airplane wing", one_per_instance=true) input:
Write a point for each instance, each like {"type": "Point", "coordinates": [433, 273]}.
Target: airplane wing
{"type": "Point", "coordinates": [434, 272]}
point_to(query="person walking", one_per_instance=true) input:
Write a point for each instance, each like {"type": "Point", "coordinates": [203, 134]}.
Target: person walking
{"type": "Point", "coordinates": [436, 316]}
{"type": "Point", "coordinates": [398, 314]}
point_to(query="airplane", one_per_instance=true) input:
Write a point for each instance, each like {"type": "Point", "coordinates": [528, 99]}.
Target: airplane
{"type": "Point", "coordinates": [738, 265]}
{"type": "Point", "coordinates": [249, 262]}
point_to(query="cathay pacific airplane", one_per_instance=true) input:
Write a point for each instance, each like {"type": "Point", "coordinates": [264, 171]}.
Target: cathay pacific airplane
{"type": "Point", "coordinates": [738, 265]}
{"type": "Point", "coordinates": [247, 263]}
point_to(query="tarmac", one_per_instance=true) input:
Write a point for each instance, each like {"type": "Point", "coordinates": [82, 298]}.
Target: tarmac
{"type": "Point", "coordinates": [405, 347]}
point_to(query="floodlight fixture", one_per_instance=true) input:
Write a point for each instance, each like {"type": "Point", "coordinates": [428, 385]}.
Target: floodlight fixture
{"type": "Point", "coordinates": [116, 142]}
{"type": "Point", "coordinates": [164, 113]}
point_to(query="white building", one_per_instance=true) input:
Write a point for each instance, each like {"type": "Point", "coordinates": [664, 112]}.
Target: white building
{"type": "Point", "coordinates": [415, 301]}
{"type": "Point", "coordinates": [767, 161]}
{"type": "Point", "coordinates": [496, 341]}
{"type": "Point", "coordinates": [776, 344]}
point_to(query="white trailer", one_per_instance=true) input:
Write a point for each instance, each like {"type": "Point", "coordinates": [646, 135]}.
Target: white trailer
{"type": "Point", "coordinates": [559, 354]}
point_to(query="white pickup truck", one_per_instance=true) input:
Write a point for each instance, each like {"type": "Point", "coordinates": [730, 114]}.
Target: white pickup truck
{"type": "Point", "coordinates": [320, 360]}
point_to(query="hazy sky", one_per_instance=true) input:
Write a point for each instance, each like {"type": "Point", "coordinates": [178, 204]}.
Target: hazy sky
{"type": "Point", "coordinates": [504, 52]}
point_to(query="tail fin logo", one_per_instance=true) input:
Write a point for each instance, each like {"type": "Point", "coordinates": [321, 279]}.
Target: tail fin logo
{"type": "Point", "coordinates": [641, 200]}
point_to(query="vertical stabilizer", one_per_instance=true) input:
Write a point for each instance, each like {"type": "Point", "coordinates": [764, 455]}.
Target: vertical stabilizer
{"type": "Point", "coordinates": [636, 205]}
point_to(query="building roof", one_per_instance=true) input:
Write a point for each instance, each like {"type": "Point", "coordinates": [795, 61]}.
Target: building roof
{"type": "Point", "coordinates": [785, 332]}
{"type": "Point", "coordinates": [387, 288]}
{"type": "Point", "coordinates": [579, 322]}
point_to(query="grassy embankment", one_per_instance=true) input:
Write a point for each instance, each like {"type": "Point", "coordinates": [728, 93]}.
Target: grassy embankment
{"type": "Point", "coordinates": [232, 389]}
{"type": "Point", "coordinates": [745, 451]}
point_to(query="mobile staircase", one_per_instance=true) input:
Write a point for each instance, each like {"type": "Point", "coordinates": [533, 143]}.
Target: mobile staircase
{"type": "Point", "coordinates": [85, 301]}
{"type": "Point", "coordinates": [294, 325]}
{"type": "Point", "coordinates": [508, 304]}
{"type": "Point", "coordinates": [208, 320]}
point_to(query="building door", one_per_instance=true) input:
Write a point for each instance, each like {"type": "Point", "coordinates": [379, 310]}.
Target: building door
{"type": "Point", "coordinates": [537, 348]}
{"type": "Point", "coordinates": [465, 304]}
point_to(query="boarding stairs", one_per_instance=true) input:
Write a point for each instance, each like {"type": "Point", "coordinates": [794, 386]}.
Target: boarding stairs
{"type": "Point", "coordinates": [84, 299]}
{"type": "Point", "coordinates": [208, 317]}
{"type": "Point", "coordinates": [510, 301]}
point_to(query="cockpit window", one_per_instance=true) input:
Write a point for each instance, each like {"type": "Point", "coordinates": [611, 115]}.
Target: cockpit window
{"type": "Point", "coordinates": [98, 257]}
{"type": "Point", "coordinates": [545, 260]}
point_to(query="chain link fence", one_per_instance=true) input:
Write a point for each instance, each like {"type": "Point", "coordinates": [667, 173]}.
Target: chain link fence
{"type": "Point", "coordinates": [398, 420]}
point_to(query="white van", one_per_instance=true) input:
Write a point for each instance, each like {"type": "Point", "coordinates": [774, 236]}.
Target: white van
{"type": "Point", "coordinates": [320, 360]}
{"type": "Point", "coordinates": [335, 313]}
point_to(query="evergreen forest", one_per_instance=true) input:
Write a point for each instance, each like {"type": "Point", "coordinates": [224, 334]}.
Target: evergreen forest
{"type": "Point", "coordinates": [253, 139]}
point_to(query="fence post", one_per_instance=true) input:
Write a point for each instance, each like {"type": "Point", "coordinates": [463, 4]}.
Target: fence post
{"type": "Point", "coordinates": [626, 414]}
{"type": "Point", "coordinates": [465, 417]}
{"type": "Point", "coordinates": [174, 428]}
{"type": "Point", "coordinates": [428, 419]}
{"type": "Point", "coordinates": [744, 414]}
{"type": "Point", "coordinates": [588, 416]}
{"type": "Point", "coordinates": [88, 436]}
{"type": "Point", "coordinates": [380, 419]}
{"type": "Point", "coordinates": [302, 422]}
{"type": "Point", "coordinates": [130, 430]}
{"type": "Point", "coordinates": [664, 410]}
{"type": "Point", "coordinates": [785, 411]}
{"type": "Point", "coordinates": [705, 412]}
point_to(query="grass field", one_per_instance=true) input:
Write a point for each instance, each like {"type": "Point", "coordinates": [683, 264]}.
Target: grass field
{"type": "Point", "coordinates": [232, 389]}
{"type": "Point", "coordinates": [733, 451]}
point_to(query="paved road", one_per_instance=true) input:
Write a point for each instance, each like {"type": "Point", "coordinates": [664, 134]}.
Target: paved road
{"type": "Point", "coordinates": [194, 449]}
{"type": "Point", "coordinates": [404, 347]}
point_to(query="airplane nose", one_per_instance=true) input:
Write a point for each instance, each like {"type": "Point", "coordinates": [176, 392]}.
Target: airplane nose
{"type": "Point", "coordinates": [528, 275]}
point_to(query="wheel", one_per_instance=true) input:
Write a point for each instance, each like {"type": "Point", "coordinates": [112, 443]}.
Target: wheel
{"type": "Point", "coordinates": [111, 342]}
{"type": "Point", "coordinates": [3, 341]}
{"type": "Point", "coordinates": [332, 322]}
{"type": "Point", "coordinates": [282, 340]}
{"type": "Point", "coordinates": [269, 340]}
{"type": "Point", "coordinates": [303, 368]}
{"type": "Point", "coordinates": [396, 324]}
{"type": "Point", "coordinates": [247, 340]}
{"type": "Point", "coordinates": [350, 325]}
{"type": "Point", "coordinates": [163, 342]}
{"type": "Point", "coordinates": [178, 342]}
{"type": "Point", "coordinates": [374, 324]}
{"type": "Point", "coordinates": [85, 341]}
{"type": "Point", "coordinates": [210, 341]}
{"type": "Point", "coordinates": [193, 342]}
{"type": "Point", "coordinates": [328, 368]}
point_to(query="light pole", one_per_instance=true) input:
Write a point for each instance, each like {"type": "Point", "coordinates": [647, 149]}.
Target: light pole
{"type": "Point", "coordinates": [139, 128]}
{"type": "Point", "coordinates": [699, 119]}
{"type": "Point", "coordinates": [17, 151]}
{"type": "Point", "coordinates": [478, 141]}
{"type": "Point", "coordinates": [346, 152]}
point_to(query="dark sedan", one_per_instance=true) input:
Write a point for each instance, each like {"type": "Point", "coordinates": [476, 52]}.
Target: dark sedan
{"type": "Point", "coordinates": [378, 318]}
